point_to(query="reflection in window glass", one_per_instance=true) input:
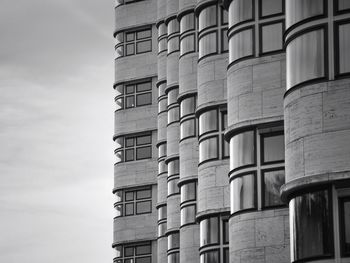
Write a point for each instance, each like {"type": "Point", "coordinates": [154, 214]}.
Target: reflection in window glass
{"type": "Point", "coordinates": [188, 192]}
{"type": "Point", "coordinates": [242, 193]}
{"type": "Point", "coordinates": [210, 257]}
{"type": "Point", "coordinates": [208, 121]}
{"type": "Point", "coordinates": [162, 105]}
{"type": "Point", "coordinates": [273, 180]}
{"type": "Point", "coordinates": [240, 11]}
{"type": "Point", "coordinates": [207, 17]}
{"type": "Point", "coordinates": [162, 29]}
{"type": "Point", "coordinates": [162, 45]}
{"type": "Point", "coordinates": [173, 115]}
{"type": "Point", "coordinates": [311, 225]}
{"type": "Point", "coordinates": [209, 231]}
{"type": "Point", "coordinates": [187, 23]}
{"type": "Point", "coordinates": [173, 44]}
{"type": "Point", "coordinates": [187, 106]}
{"type": "Point", "coordinates": [188, 214]}
{"type": "Point", "coordinates": [174, 167]}
{"type": "Point", "coordinates": [298, 10]}
{"type": "Point", "coordinates": [187, 45]}
{"type": "Point", "coordinates": [208, 44]}
{"type": "Point", "coordinates": [344, 207]}
{"type": "Point", "coordinates": [344, 50]}
{"type": "Point", "coordinates": [343, 5]}
{"type": "Point", "coordinates": [172, 186]}
{"type": "Point", "coordinates": [271, 7]}
{"type": "Point", "coordinates": [173, 26]}
{"type": "Point", "coordinates": [305, 58]}
{"type": "Point", "coordinates": [224, 41]}
{"type": "Point", "coordinates": [162, 167]}
{"type": "Point", "coordinates": [241, 45]}
{"type": "Point", "coordinates": [162, 150]}
{"type": "Point", "coordinates": [272, 37]}
{"type": "Point", "coordinates": [187, 128]}
{"type": "Point", "coordinates": [208, 149]}
{"type": "Point", "coordinates": [273, 148]}
{"type": "Point", "coordinates": [162, 212]}
{"type": "Point", "coordinates": [242, 150]}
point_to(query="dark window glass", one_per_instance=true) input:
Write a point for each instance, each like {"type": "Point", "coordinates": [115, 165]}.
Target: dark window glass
{"type": "Point", "coordinates": [130, 101]}
{"type": "Point", "coordinates": [208, 44]}
{"type": "Point", "coordinates": [143, 207]}
{"type": "Point", "coordinates": [143, 34]}
{"type": "Point", "coordinates": [224, 40]}
{"type": "Point", "coordinates": [240, 11]}
{"type": "Point", "coordinates": [226, 255]}
{"type": "Point", "coordinates": [188, 214]}
{"type": "Point", "coordinates": [143, 152]}
{"type": "Point", "coordinates": [344, 50]}
{"type": "Point", "coordinates": [143, 86]}
{"type": "Point", "coordinates": [241, 45]}
{"type": "Point", "coordinates": [298, 10]}
{"type": "Point", "coordinates": [344, 207]}
{"type": "Point", "coordinates": [129, 209]}
{"type": "Point", "coordinates": [130, 49]}
{"type": "Point", "coordinates": [272, 37]}
{"type": "Point", "coordinates": [210, 257]}
{"type": "Point", "coordinates": [130, 37]}
{"type": "Point", "coordinates": [273, 180]}
{"type": "Point", "coordinates": [187, 128]}
{"type": "Point", "coordinates": [128, 251]}
{"type": "Point", "coordinates": [129, 155]}
{"type": "Point", "coordinates": [144, 46]}
{"type": "Point", "coordinates": [305, 58]}
{"type": "Point", "coordinates": [188, 192]}
{"type": "Point", "coordinates": [187, 45]}
{"type": "Point", "coordinates": [224, 16]}
{"type": "Point", "coordinates": [311, 225]}
{"type": "Point", "coordinates": [273, 148]}
{"type": "Point", "coordinates": [225, 232]}
{"type": "Point", "coordinates": [141, 140]}
{"type": "Point", "coordinates": [174, 258]}
{"type": "Point", "coordinates": [242, 150]}
{"type": "Point", "coordinates": [208, 17]}
{"type": "Point", "coordinates": [143, 260]}
{"type": "Point", "coordinates": [242, 193]}
{"type": "Point", "coordinates": [172, 186]}
{"type": "Point", "coordinates": [208, 149]}
{"type": "Point", "coordinates": [271, 7]}
{"type": "Point", "coordinates": [208, 121]}
{"type": "Point", "coordinates": [343, 5]}
{"type": "Point", "coordinates": [129, 196]}
{"type": "Point", "coordinates": [187, 106]}
{"type": "Point", "coordinates": [173, 241]}
{"type": "Point", "coordinates": [209, 231]}
{"type": "Point", "coordinates": [142, 194]}
{"type": "Point", "coordinates": [173, 115]}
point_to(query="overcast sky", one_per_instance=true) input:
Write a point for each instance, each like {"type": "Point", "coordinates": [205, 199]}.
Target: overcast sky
{"type": "Point", "coordinates": [56, 128]}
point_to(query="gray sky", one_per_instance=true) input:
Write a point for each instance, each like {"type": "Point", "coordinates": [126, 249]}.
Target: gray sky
{"type": "Point", "coordinates": [56, 128]}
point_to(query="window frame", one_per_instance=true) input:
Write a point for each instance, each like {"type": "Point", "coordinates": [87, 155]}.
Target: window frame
{"type": "Point", "coordinates": [123, 257]}
{"type": "Point", "coordinates": [336, 27]}
{"type": "Point", "coordinates": [261, 16]}
{"type": "Point", "coordinates": [341, 201]}
{"type": "Point", "coordinates": [261, 47]}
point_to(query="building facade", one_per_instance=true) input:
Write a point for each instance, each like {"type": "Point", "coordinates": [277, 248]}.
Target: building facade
{"type": "Point", "coordinates": [232, 131]}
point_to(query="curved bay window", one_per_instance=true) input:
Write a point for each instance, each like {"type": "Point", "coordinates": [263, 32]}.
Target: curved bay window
{"type": "Point", "coordinates": [187, 34]}
{"type": "Point", "coordinates": [173, 36]}
{"type": "Point", "coordinates": [253, 172]}
{"type": "Point", "coordinates": [173, 106]}
{"type": "Point", "coordinates": [173, 247]}
{"type": "Point", "coordinates": [187, 117]}
{"type": "Point", "coordinates": [243, 26]}
{"type": "Point", "coordinates": [212, 124]}
{"type": "Point", "coordinates": [133, 94]}
{"type": "Point", "coordinates": [311, 226]}
{"type": "Point", "coordinates": [162, 38]}
{"type": "Point", "coordinates": [133, 201]}
{"type": "Point", "coordinates": [133, 147]}
{"type": "Point", "coordinates": [138, 253]}
{"type": "Point", "coordinates": [162, 220]}
{"type": "Point", "coordinates": [212, 23]}
{"type": "Point", "coordinates": [306, 58]}
{"type": "Point", "coordinates": [173, 177]}
{"type": "Point", "coordinates": [132, 42]}
{"type": "Point", "coordinates": [214, 234]}
{"type": "Point", "coordinates": [188, 203]}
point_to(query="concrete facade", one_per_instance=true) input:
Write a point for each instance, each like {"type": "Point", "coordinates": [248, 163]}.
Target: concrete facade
{"type": "Point", "coordinates": [232, 131]}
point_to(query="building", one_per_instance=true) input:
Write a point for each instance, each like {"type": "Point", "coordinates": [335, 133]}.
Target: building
{"type": "Point", "coordinates": [232, 131]}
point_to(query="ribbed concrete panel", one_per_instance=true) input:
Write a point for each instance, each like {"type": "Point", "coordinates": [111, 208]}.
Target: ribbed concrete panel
{"type": "Point", "coordinates": [188, 73]}
{"type": "Point", "coordinates": [173, 212]}
{"type": "Point", "coordinates": [162, 188]}
{"type": "Point", "coordinates": [173, 134]}
{"type": "Point", "coordinates": [172, 69]}
{"type": "Point", "coordinates": [162, 65]}
{"type": "Point", "coordinates": [189, 158]}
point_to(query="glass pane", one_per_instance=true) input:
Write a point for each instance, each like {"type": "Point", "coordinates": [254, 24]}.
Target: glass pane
{"type": "Point", "coordinates": [187, 106]}
{"type": "Point", "coordinates": [173, 26]}
{"type": "Point", "coordinates": [162, 167]}
{"type": "Point", "coordinates": [188, 214]}
{"type": "Point", "coordinates": [210, 257]}
{"type": "Point", "coordinates": [119, 142]}
{"type": "Point", "coordinates": [141, 140]}
{"type": "Point", "coordinates": [305, 58]}
{"type": "Point", "coordinates": [129, 260]}
{"type": "Point", "coordinates": [173, 167]}
{"type": "Point", "coordinates": [129, 196]}
{"type": "Point", "coordinates": [119, 38]}
{"type": "Point", "coordinates": [311, 225]}
{"type": "Point", "coordinates": [345, 226]}
{"type": "Point", "coordinates": [162, 29]}
{"type": "Point", "coordinates": [298, 10]}
{"type": "Point", "coordinates": [208, 121]}
{"type": "Point", "coordinates": [129, 89]}
{"type": "Point", "coordinates": [129, 155]}
{"type": "Point", "coordinates": [130, 49]}
{"type": "Point", "coordinates": [142, 194]}
{"type": "Point", "coordinates": [162, 150]}
{"type": "Point", "coordinates": [162, 45]}
{"type": "Point", "coordinates": [241, 45]}
{"type": "Point", "coordinates": [143, 153]}
{"type": "Point", "coordinates": [271, 7]}
{"type": "Point", "coordinates": [118, 210]}
{"type": "Point", "coordinates": [144, 86]}
{"type": "Point", "coordinates": [143, 46]}
{"type": "Point", "coordinates": [172, 186]}
{"type": "Point", "coordinates": [225, 231]}
{"type": "Point", "coordinates": [344, 50]}
{"type": "Point", "coordinates": [129, 209]}
{"type": "Point", "coordinates": [143, 34]}
{"type": "Point", "coordinates": [162, 212]}
{"type": "Point", "coordinates": [208, 149]}
{"type": "Point", "coordinates": [119, 51]}
{"type": "Point", "coordinates": [129, 142]}
{"type": "Point", "coordinates": [273, 180]}
{"type": "Point", "coordinates": [272, 37]}
{"type": "Point", "coordinates": [187, 45]}
{"type": "Point", "coordinates": [119, 156]}
{"type": "Point", "coordinates": [173, 44]}
{"type": "Point", "coordinates": [173, 115]}
{"type": "Point", "coordinates": [119, 103]}
{"type": "Point", "coordinates": [162, 228]}
{"type": "Point", "coordinates": [174, 258]}
{"type": "Point", "coordinates": [239, 11]}
{"type": "Point", "coordinates": [173, 241]}
{"type": "Point", "coordinates": [273, 147]}
{"type": "Point", "coordinates": [118, 196]}
{"type": "Point", "coordinates": [128, 251]}
{"type": "Point", "coordinates": [143, 207]}
{"type": "Point", "coordinates": [130, 36]}
{"type": "Point", "coordinates": [208, 17]}
{"type": "Point", "coordinates": [187, 128]}
{"type": "Point", "coordinates": [224, 39]}
{"type": "Point", "coordinates": [242, 193]}
{"type": "Point", "coordinates": [161, 89]}
{"type": "Point", "coordinates": [242, 150]}
{"type": "Point", "coordinates": [188, 192]}
{"type": "Point", "coordinates": [226, 256]}
{"type": "Point", "coordinates": [187, 22]}
{"type": "Point", "coordinates": [208, 44]}
{"type": "Point", "coordinates": [143, 260]}
{"type": "Point", "coordinates": [162, 105]}
{"type": "Point", "coordinates": [224, 18]}
{"type": "Point", "coordinates": [209, 231]}
{"type": "Point", "coordinates": [130, 101]}
{"type": "Point", "coordinates": [118, 251]}
{"type": "Point", "coordinates": [172, 96]}
{"type": "Point", "coordinates": [119, 90]}
{"type": "Point", "coordinates": [343, 4]}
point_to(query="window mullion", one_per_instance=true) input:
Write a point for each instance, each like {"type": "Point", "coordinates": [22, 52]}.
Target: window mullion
{"type": "Point", "coordinates": [258, 173]}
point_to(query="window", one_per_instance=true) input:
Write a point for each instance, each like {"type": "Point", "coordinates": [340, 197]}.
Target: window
{"type": "Point", "coordinates": [162, 167]}
{"type": "Point", "coordinates": [124, 2]}
{"type": "Point", "coordinates": [134, 95]}
{"type": "Point", "coordinates": [134, 202]}
{"type": "Point", "coordinates": [272, 182]}
{"type": "Point", "coordinates": [188, 129]}
{"type": "Point", "coordinates": [133, 42]}
{"type": "Point", "coordinates": [173, 106]}
{"type": "Point", "coordinates": [173, 114]}
{"type": "Point", "coordinates": [131, 148]}
{"type": "Point", "coordinates": [188, 192]}
{"type": "Point", "coordinates": [173, 36]}
{"type": "Point", "coordinates": [208, 44]}
{"type": "Point", "coordinates": [130, 253]}
{"type": "Point", "coordinates": [174, 257]}
{"type": "Point", "coordinates": [187, 44]}
{"type": "Point", "coordinates": [240, 11]}
{"type": "Point", "coordinates": [162, 148]}
{"type": "Point", "coordinates": [344, 216]}
{"type": "Point", "coordinates": [188, 203]}
{"type": "Point", "coordinates": [210, 257]}
{"type": "Point", "coordinates": [162, 220]}
{"type": "Point", "coordinates": [342, 5]}
{"type": "Point", "coordinates": [241, 45]}
{"type": "Point", "coordinates": [172, 96]}
{"type": "Point", "coordinates": [188, 215]}
{"type": "Point", "coordinates": [208, 149]}
{"type": "Point", "coordinates": [173, 240]}
{"type": "Point", "coordinates": [188, 118]}
{"type": "Point", "coordinates": [311, 225]}
{"type": "Point", "coordinates": [299, 10]}
{"type": "Point", "coordinates": [162, 105]}
{"type": "Point", "coordinates": [271, 7]}
{"type": "Point", "coordinates": [343, 52]}
{"type": "Point", "coordinates": [162, 37]}
{"type": "Point", "coordinates": [187, 30]}
{"type": "Point", "coordinates": [208, 17]}
{"type": "Point", "coordinates": [243, 191]}
{"type": "Point", "coordinates": [271, 37]}
{"type": "Point", "coordinates": [306, 58]}
{"type": "Point", "coordinates": [209, 231]}
{"type": "Point", "coordinates": [208, 121]}
{"type": "Point", "coordinates": [173, 177]}
{"type": "Point", "coordinates": [172, 186]}
{"type": "Point", "coordinates": [272, 147]}
{"type": "Point", "coordinates": [242, 150]}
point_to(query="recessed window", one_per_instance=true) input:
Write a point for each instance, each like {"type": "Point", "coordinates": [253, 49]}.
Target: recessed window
{"type": "Point", "coordinates": [173, 114]}
{"type": "Point", "coordinates": [272, 147]}
{"type": "Point", "coordinates": [211, 256]}
{"type": "Point", "coordinates": [271, 7]}
{"type": "Point", "coordinates": [271, 37]}
{"type": "Point", "coordinates": [130, 253]}
{"type": "Point", "coordinates": [187, 44]}
{"type": "Point", "coordinates": [173, 44]}
{"type": "Point", "coordinates": [134, 202]}
{"type": "Point", "coordinates": [187, 106]}
{"type": "Point", "coordinates": [208, 121]}
{"type": "Point", "coordinates": [188, 129]}
{"type": "Point", "coordinates": [133, 42]}
{"type": "Point", "coordinates": [187, 23]}
{"type": "Point", "coordinates": [134, 95]}
{"type": "Point", "coordinates": [344, 216]}
{"type": "Point", "coordinates": [243, 192]}
{"type": "Point", "coordinates": [135, 148]}
{"type": "Point", "coordinates": [273, 180]}
{"type": "Point", "coordinates": [188, 192]}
